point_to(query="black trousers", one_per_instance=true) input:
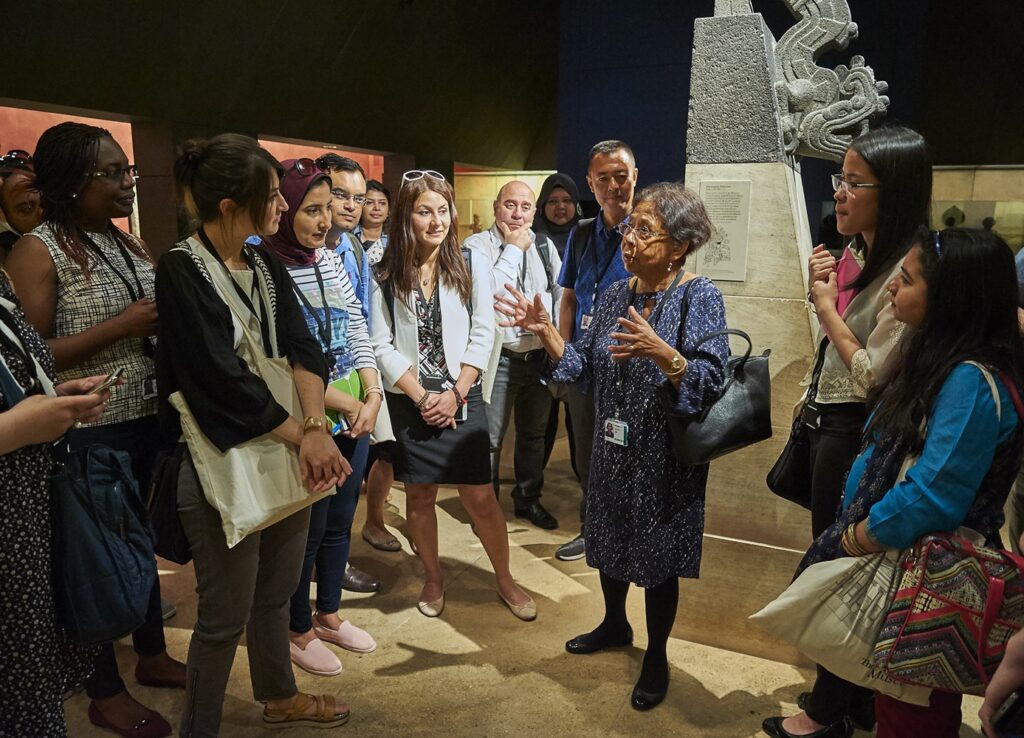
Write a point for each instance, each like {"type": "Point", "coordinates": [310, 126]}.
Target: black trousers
{"type": "Point", "coordinates": [834, 446]}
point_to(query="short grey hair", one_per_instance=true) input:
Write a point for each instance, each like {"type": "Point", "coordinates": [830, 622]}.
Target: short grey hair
{"type": "Point", "coordinates": [681, 212]}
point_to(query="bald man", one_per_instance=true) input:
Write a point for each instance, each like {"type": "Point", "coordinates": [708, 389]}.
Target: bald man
{"type": "Point", "coordinates": [530, 262]}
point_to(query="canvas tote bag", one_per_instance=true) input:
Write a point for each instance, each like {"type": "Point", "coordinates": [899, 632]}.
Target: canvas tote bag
{"type": "Point", "coordinates": [257, 483]}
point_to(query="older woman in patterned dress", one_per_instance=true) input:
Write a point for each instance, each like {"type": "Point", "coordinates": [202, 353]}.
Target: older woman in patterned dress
{"type": "Point", "coordinates": [645, 515]}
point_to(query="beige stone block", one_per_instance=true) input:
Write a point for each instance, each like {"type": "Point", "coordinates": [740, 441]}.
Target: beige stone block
{"type": "Point", "coordinates": [773, 253]}
{"type": "Point", "coordinates": [999, 184]}
{"type": "Point", "coordinates": [476, 186]}
{"type": "Point", "coordinates": [953, 184]}
{"type": "Point", "coordinates": [737, 579]}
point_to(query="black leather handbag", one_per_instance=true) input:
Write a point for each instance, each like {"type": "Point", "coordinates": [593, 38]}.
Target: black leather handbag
{"type": "Point", "coordinates": [790, 477]}
{"type": "Point", "coordinates": [742, 414]}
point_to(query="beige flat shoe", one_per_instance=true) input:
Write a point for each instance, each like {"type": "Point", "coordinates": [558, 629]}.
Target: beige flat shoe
{"type": "Point", "coordinates": [527, 611]}
{"type": "Point", "coordinates": [433, 608]}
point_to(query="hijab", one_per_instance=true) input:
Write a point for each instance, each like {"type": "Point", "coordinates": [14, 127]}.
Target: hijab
{"type": "Point", "coordinates": [557, 233]}
{"type": "Point", "coordinates": [294, 188]}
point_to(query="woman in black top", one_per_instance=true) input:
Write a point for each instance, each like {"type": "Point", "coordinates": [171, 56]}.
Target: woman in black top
{"type": "Point", "coordinates": [231, 185]}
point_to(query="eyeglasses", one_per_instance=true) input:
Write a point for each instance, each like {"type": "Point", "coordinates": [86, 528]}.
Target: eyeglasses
{"type": "Point", "coordinates": [413, 174]}
{"type": "Point", "coordinates": [838, 183]}
{"type": "Point", "coordinates": [118, 174]}
{"type": "Point", "coordinates": [643, 233]}
{"type": "Point", "coordinates": [16, 159]}
{"type": "Point", "coordinates": [305, 167]}
{"type": "Point", "coordinates": [342, 196]}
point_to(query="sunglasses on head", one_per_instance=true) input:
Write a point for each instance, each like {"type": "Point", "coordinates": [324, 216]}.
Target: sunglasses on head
{"type": "Point", "coordinates": [16, 159]}
{"type": "Point", "coordinates": [305, 167]}
{"type": "Point", "coordinates": [413, 174]}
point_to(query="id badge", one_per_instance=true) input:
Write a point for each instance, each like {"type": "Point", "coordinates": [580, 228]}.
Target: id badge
{"type": "Point", "coordinates": [149, 388]}
{"type": "Point", "coordinates": [585, 321]}
{"type": "Point", "coordinates": [616, 431]}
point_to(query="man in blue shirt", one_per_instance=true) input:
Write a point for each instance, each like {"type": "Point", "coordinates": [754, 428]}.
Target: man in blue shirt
{"type": "Point", "coordinates": [593, 261]}
{"type": "Point", "coordinates": [348, 188]}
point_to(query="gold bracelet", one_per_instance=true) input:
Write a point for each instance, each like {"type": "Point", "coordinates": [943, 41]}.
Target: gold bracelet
{"type": "Point", "coordinates": [423, 400]}
{"type": "Point", "coordinates": [314, 422]}
{"type": "Point", "coordinates": [375, 390]}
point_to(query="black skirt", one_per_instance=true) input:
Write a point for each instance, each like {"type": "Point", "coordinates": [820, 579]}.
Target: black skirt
{"type": "Point", "coordinates": [429, 455]}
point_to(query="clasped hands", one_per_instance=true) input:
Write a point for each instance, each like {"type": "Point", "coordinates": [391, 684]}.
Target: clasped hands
{"type": "Point", "coordinates": [822, 279]}
{"type": "Point", "coordinates": [439, 410]}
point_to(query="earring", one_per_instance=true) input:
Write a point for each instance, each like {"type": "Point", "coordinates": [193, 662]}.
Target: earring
{"type": "Point", "coordinates": [669, 270]}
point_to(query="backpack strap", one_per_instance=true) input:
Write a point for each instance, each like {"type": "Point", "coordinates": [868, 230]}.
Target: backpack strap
{"type": "Point", "coordinates": [467, 255]}
{"type": "Point", "coordinates": [581, 240]}
{"type": "Point", "coordinates": [544, 250]}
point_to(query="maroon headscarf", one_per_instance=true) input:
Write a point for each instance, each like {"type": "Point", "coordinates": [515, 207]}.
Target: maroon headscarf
{"type": "Point", "coordinates": [294, 187]}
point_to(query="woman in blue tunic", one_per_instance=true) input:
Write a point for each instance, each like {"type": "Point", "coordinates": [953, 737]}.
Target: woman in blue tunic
{"type": "Point", "coordinates": [645, 515]}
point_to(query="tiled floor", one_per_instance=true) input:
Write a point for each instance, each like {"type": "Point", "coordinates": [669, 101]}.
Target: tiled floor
{"type": "Point", "coordinates": [478, 671]}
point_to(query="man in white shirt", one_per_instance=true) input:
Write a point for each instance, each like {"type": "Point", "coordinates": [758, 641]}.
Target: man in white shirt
{"type": "Point", "coordinates": [531, 263]}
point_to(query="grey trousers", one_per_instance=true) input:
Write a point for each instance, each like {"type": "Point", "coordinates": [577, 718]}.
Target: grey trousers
{"type": "Point", "coordinates": [581, 409]}
{"type": "Point", "coordinates": [246, 587]}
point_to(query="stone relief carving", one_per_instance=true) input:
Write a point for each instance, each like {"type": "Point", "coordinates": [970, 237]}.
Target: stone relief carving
{"type": "Point", "coordinates": [821, 109]}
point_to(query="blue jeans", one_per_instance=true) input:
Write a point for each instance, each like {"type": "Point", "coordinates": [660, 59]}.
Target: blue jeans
{"type": "Point", "coordinates": [517, 388]}
{"type": "Point", "coordinates": [330, 533]}
{"type": "Point", "coordinates": [140, 440]}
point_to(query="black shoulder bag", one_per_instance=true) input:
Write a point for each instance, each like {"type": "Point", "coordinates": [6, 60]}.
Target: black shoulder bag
{"type": "Point", "coordinates": [790, 477]}
{"type": "Point", "coordinates": [742, 414]}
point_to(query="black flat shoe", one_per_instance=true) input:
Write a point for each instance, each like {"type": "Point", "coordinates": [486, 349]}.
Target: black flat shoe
{"type": "Point", "coordinates": [773, 727]}
{"type": "Point", "coordinates": [536, 514]}
{"type": "Point", "coordinates": [644, 700]}
{"type": "Point", "coordinates": [580, 645]}
{"type": "Point", "coordinates": [862, 715]}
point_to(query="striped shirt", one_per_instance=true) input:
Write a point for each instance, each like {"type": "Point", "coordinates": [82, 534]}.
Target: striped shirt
{"type": "Point", "coordinates": [350, 338]}
{"type": "Point", "coordinates": [82, 303]}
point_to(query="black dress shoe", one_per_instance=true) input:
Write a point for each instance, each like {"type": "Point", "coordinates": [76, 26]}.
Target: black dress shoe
{"type": "Point", "coordinates": [358, 581]}
{"type": "Point", "coordinates": [584, 644]}
{"type": "Point", "coordinates": [536, 514]}
{"type": "Point", "coordinates": [773, 727]}
{"type": "Point", "coordinates": [862, 714]}
{"type": "Point", "coordinates": [644, 700]}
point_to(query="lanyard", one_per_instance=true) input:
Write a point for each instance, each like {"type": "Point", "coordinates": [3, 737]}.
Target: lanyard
{"type": "Point", "coordinates": [137, 292]}
{"type": "Point", "coordinates": [254, 294]}
{"type": "Point", "coordinates": [607, 266]}
{"type": "Point", "coordinates": [325, 329]}
{"type": "Point", "coordinates": [623, 366]}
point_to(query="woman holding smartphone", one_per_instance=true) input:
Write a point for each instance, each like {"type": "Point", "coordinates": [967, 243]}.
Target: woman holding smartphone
{"type": "Point", "coordinates": [88, 288]}
{"type": "Point", "coordinates": [433, 330]}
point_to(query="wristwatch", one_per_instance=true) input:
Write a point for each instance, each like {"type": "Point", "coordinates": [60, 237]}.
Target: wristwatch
{"type": "Point", "coordinates": [314, 422]}
{"type": "Point", "coordinates": [677, 366]}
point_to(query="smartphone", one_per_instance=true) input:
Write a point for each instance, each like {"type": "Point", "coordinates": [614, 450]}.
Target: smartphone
{"type": "Point", "coordinates": [1009, 718]}
{"type": "Point", "coordinates": [108, 382]}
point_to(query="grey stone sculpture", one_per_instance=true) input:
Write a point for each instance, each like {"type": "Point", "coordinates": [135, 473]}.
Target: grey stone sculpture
{"type": "Point", "coordinates": [823, 109]}
{"type": "Point", "coordinates": [753, 99]}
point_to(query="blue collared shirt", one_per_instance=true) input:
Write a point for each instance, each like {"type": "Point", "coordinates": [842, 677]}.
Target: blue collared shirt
{"type": "Point", "coordinates": [600, 266]}
{"type": "Point", "coordinates": [360, 278]}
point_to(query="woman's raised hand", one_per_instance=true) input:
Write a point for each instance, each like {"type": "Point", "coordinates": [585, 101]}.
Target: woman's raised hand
{"type": "Point", "coordinates": [819, 265]}
{"type": "Point", "coordinates": [637, 338]}
{"type": "Point", "coordinates": [520, 312]}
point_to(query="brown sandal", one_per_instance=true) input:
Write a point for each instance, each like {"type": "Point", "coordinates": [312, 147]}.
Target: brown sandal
{"type": "Point", "coordinates": [296, 715]}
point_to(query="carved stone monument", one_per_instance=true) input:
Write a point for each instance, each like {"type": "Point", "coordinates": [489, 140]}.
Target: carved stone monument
{"type": "Point", "coordinates": [757, 106]}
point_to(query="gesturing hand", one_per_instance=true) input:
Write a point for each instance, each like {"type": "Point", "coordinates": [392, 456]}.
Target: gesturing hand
{"type": "Point", "coordinates": [637, 338]}
{"type": "Point", "coordinates": [520, 312]}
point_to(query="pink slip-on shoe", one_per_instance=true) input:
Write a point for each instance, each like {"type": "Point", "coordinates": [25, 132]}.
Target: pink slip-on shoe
{"type": "Point", "coordinates": [348, 636]}
{"type": "Point", "coordinates": [316, 658]}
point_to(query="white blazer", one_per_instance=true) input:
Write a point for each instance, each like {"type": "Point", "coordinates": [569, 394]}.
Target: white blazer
{"type": "Point", "coordinates": [466, 341]}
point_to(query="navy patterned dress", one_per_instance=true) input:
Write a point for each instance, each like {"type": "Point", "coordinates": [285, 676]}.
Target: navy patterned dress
{"type": "Point", "coordinates": [645, 510]}
{"type": "Point", "coordinates": [39, 663]}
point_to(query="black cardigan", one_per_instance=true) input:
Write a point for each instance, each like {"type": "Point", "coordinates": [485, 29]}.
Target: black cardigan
{"type": "Point", "coordinates": [195, 354]}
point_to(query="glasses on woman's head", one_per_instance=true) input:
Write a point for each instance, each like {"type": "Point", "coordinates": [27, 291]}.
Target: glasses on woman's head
{"type": "Point", "coordinates": [117, 174]}
{"type": "Point", "coordinates": [16, 159]}
{"type": "Point", "coordinates": [642, 234]}
{"type": "Point", "coordinates": [305, 167]}
{"type": "Point", "coordinates": [847, 187]}
{"type": "Point", "coordinates": [413, 174]}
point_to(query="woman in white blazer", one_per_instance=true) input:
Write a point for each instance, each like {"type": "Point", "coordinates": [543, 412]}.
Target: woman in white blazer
{"type": "Point", "coordinates": [433, 331]}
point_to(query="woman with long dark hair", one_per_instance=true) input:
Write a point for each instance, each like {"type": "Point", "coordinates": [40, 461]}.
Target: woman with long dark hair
{"type": "Point", "coordinates": [231, 186]}
{"type": "Point", "coordinates": [88, 288]}
{"type": "Point", "coordinates": [433, 331]}
{"type": "Point", "coordinates": [958, 291]}
{"type": "Point", "coordinates": [882, 195]}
